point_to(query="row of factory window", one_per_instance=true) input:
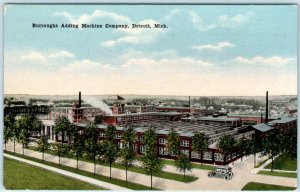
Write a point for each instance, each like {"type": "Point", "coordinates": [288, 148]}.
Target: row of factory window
{"type": "Point", "coordinates": [195, 155]}
{"type": "Point", "coordinates": [87, 115]}
{"type": "Point", "coordinates": [183, 143]}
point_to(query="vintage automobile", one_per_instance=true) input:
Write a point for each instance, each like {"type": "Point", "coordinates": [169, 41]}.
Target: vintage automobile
{"type": "Point", "coordinates": [221, 171]}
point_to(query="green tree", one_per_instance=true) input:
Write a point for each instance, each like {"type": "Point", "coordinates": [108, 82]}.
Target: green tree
{"type": "Point", "coordinates": [273, 144]}
{"type": "Point", "coordinates": [152, 164]}
{"type": "Point", "coordinates": [9, 129]}
{"type": "Point", "coordinates": [59, 150]}
{"type": "Point", "coordinates": [173, 142]}
{"type": "Point", "coordinates": [26, 125]}
{"type": "Point", "coordinates": [110, 145]}
{"type": "Point", "coordinates": [91, 145]}
{"type": "Point", "coordinates": [183, 164]}
{"type": "Point", "coordinates": [127, 151]}
{"type": "Point", "coordinates": [110, 153]}
{"type": "Point", "coordinates": [65, 128]}
{"type": "Point", "coordinates": [289, 148]}
{"type": "Point", "coordinates": [98, 119]}
{"type": "Point", "coordinates": [42, 144]}
{"type": "Point", "coordinates": [78, 146]}
{"type": "Point", "coordinates": [110, 132]}
{"type": "Point", "coordinates": [200, 143]}
{"type": "Point", "coordinates": [254, 147]}
{"type": "Point", "coordinates": [243, 146]}
{"type": "Point", "coordinates": [227, 144]}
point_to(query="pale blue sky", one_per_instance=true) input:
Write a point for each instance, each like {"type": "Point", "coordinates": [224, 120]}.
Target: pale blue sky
{"type": "Point", "coordinates": [206, 50]}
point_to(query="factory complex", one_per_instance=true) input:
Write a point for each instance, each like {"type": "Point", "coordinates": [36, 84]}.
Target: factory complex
{"type": "Point", "coordinates": [184, 120]}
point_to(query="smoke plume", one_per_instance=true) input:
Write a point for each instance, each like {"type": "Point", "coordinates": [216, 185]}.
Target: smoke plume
{"type": "Point", "coordinates": [98, 103]}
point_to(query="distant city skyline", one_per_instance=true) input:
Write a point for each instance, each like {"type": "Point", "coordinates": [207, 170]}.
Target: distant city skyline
{"type": "Point", "coordinates": [207, 50]}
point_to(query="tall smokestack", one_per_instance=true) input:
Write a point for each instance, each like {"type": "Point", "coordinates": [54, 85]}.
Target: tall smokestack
{"type": "Point", "coordinates": [79, 102]}
{"type": "Point", "coordinates": [189, 101]}
{"type": "Point", "coordinates": [267, 107]}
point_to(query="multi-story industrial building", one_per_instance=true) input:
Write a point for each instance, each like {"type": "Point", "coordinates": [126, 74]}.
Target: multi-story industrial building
{"type": "Point", "coordinates": [144, 117]}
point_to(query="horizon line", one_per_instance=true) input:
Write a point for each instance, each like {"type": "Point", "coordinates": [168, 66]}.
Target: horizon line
{"type": "Point", "coordinates": [150, 95]}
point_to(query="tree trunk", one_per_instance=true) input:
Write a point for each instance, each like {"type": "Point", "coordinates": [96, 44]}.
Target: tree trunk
{"type": "Point", "coordinates": [184, 175]}
{"type": "Point", "coordinates": [94, 165]}
{"type": "Point", "coordinates": [77, 160]}
{"type": "Point", "coordinates": [43, 155]}
{"type": "Point", "coordinates": [272, 164]}
{"type": "Point", "coordinates": [254, 159]}
{"type": "Point", "coordinates": [14, 146]}
{"type": "Point", "coordinates": [23, 148]}
{"type": "Point", "coordinates": [59, 159]}
{"type": "Point", "coordinates": [151, 181]}
{"type": "Point", "coordinates": [126, 171]}
{"type": "Point", "coordinates": [110, 170]}
{"type": "Point", "coordinates": [5, 146]}
{"type": "Point", "coordinates": [201, 157]}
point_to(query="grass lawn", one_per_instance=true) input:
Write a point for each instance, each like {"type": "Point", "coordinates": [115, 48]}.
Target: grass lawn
{"type": "Point", "coordinates": [164, 174]}
{"type": "Point", "coordinates": [283, 163]}
{"type": "Point", "coordinates": [119, 182]}
{"type": "Point", "coordinates": [253, 186]}
{"type": "Point", "coordinates": [195, 165]}
{"type": "Point", "coordinates": [280, 174]}
{"type": "Point", "coordinates": [20, 176]}
{"type": "Point", "coordinates": [258, 165]}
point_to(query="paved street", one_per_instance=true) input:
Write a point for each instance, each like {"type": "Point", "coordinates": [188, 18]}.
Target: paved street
{"type": "Point", "coordinates": [241, 176]}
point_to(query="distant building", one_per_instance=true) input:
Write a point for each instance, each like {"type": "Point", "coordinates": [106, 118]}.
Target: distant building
{"type": "Point", "coordinates": [290, 109]}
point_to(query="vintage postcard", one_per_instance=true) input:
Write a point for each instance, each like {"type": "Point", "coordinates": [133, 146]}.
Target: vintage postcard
{"type": "Point", "coordinates": [150, 97]}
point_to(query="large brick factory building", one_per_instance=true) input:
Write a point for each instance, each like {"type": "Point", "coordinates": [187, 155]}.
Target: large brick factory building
{"type": "Point", "coordinates": [163, 119]}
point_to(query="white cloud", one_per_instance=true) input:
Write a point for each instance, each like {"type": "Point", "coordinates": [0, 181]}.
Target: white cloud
{"type": "Point", "coordinates": [34, 56]}
{"type": "Point", "coordinates": [172, 13]}
{"type": "Point", "coordinates": [61, 54]}
{"type": "Point", "coordinates": [217, 47]}
{"type": "Point", "coordinates": [235, 21]}
{"type": "Point", "coordinates": [276, 61]}
{"type": "Point", "coordinates": [137, 35]}
{"type": "Point", "coordinates": [199, 23]}
{"type": "Point", "coordinates": [85, 66]}
{"type": "Point", "coordinates": [88, 18]}
{"type": "Point", "coordinates": [177, 62]}
{"type": "Point", "coordinates": [223, 21]}
{"type": "Point", "coordinates": [46, 57]}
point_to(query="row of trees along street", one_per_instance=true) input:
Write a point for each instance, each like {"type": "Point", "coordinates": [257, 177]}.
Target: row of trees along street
{"type": "Point", "coordinates": [20, 129]}
{"type": "Point", "coordinates": [84, 142]}
{"type": "Point", "coordinates": [276, 142]}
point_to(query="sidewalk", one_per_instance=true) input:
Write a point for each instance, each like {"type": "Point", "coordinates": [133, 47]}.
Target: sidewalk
{"type": "Point", "coordinates": [241, 176]}
{"type": "Point", "coordinates": [261, 168]}
{"type": "Point", "coordinates": [69, 174]}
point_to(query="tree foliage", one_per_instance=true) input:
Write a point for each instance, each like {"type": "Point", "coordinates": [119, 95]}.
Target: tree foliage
{"type": "Point", "coordinates": [110, 146]}
{"type": "Point", "coordinates": [273, 144]}
{"type": "Point", "coordinates": [65, 128]}
{"type": "Point", "coordinates": [200, 142]}
{"type": "Point", "coordinates": [173, 142]}
{"type": "Point", "coordinates": [9, 127]}
{"type": "Point", "coordinates": [27, 125]}
{"type": "Point", "coordinates": [110, 132]}
{"type": "Point", "coordinates": [183, 164]}
{"type": "Point", "coordinates": [126, 153]}
{"type": "Point", "coordinates": [91, 141]}
{"type": "Point", "coordinates": [42, 144]}
{"type": "Point", "coordinates": [226, 144]}
{"type": "Point", "coordinates": [152, 164]}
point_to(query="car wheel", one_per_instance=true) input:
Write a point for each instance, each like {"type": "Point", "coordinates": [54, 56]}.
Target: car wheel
{"type": "Point", "coordinates": [227, 177]}
{"type": "Point", "coordinates": [230, 174]}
